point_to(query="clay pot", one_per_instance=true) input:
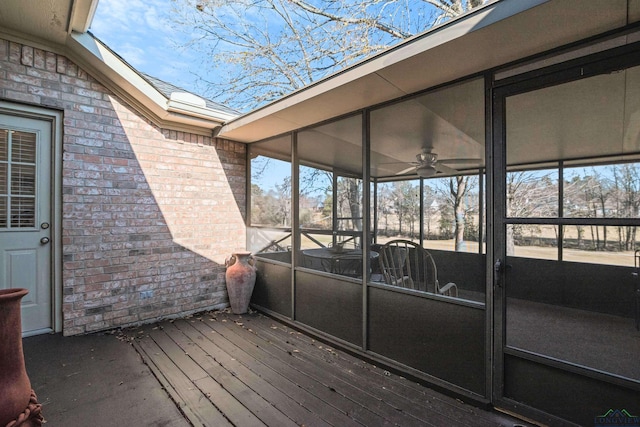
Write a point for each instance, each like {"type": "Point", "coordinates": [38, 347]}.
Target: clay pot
{"type": "Point", "coordinates": [241, 278]}
{"type": "Point", "coordinates": [18, 403]}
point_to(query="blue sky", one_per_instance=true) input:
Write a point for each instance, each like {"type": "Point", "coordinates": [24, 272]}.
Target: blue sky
{"type": "Point", "coordinates": [138, 31]}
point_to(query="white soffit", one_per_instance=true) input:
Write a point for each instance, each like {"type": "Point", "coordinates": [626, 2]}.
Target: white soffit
{"type": "Point", "coordinates": [497, 34]}
{"type": "Point", "coordinates": [368, 90]}
{"type": "Point", "coordinates": [47, 21]}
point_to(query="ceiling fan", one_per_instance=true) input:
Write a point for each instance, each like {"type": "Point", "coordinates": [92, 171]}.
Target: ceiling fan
{"type": "Point", "coordinates": [428, 165]}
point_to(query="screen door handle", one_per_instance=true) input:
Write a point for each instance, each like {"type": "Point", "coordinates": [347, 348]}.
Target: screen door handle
{"type": "Point", "coordinates": [498, 268]}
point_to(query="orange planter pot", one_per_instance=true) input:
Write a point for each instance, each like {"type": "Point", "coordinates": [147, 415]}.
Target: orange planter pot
{"type": "Point", "coordinates": [240, 278]}
{"type": "Point", "coordinates": [18, 403]}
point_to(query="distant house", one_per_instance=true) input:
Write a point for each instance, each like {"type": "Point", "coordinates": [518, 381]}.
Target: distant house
{"type": "Point", "coordinates": [121, 195]}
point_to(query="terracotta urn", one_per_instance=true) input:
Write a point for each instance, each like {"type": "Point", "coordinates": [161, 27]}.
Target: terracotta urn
{"type": "Point", "coordinates": [18, 402]}
{"type": "Point", "coordinates": [241, 278]}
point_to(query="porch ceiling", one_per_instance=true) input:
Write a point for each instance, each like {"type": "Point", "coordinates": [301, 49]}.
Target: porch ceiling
{"type": "Point", "coordinates": [497, 34]}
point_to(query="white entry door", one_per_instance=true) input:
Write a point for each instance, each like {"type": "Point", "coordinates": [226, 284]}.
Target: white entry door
{"type": "Point", "coordinates": [25, 216]}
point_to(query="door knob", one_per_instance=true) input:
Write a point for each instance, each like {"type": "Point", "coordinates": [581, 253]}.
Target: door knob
{"type": "Point", "coordinates": [44, 240]}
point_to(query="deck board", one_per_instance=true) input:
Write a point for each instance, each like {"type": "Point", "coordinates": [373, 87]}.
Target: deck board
{"type": "Point", "coordinates": [229, 380]}
{"type": "Point", "coordinates": [225, 394]}
{"type": "Point", "coordinates": [282, 379]}
{"type": "Point", "coordinates": [393, 390]}
{"type": "Point", "coordinates": [199, 411]}
{"type": "Point", "coordinates": [251, 370]}
{"type": "Point", "coordinates": [265, 383]}
{"type": "Point", "coordinates": [309, 378]}
{"type": "Point", "coordinates": [329, 376]}
{"type": "Point", "coordinates": [437, 408]}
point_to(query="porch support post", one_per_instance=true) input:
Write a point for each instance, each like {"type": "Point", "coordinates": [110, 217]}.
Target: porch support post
{"type": "Point", "coordinates": [421, 215]}
{"type": "Point", "coordinates": [496, 232]}
{"type": "Point", "coordinates": [366, 224]}
{"type": "Point", "coordinates": [295, 218]}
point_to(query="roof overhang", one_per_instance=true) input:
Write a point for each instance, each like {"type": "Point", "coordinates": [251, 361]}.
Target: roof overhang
{"type": "Point", "coordinates": [61, 26]}
{"type": "Point", "coordinates": [181, 111]}
{"type": "Point", "coordinates": [496, 34]}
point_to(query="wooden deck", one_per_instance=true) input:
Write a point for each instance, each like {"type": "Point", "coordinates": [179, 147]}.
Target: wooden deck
{"type": "Point", "coordinates": [250, 370]}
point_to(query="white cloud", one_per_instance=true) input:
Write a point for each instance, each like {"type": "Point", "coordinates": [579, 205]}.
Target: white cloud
{"type": "Point", "coordinates": [130, 16]}
{"type": "Point", "coordinates": [113, 15]}
{"type": "Point", "coordinates": [134, 55]}
{"type": "Point", "coordinates": [155, 17]}
{"type": "Point", "coordinates": [135, 30]}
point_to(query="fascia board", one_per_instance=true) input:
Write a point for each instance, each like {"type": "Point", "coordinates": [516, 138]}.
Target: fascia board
{"type": "Point", "coordinates": [104, 60]}
{"type": "Point", "coordinates": [82, 13]}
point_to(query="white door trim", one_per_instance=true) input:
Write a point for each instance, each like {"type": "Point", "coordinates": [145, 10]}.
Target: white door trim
{"type": "Point", "coordinates": [55, 118]}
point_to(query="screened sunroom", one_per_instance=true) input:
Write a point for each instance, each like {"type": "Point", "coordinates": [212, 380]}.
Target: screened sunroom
{"type": "Point", "coordinates": [513, 189]}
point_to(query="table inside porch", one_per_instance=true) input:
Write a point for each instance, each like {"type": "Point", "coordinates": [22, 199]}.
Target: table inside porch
{"type": "Point", "coordinates": [343, 262]}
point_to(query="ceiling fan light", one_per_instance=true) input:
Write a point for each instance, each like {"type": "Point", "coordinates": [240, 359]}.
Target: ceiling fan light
{"type": "Point", "coordinates": [427, 157]}
{"type": "Point", "coordinates": [426, 171]}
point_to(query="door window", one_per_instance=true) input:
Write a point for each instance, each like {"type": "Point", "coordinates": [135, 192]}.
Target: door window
{"type": "Point", "coordinates": [17, 179]}
{"type": "Point", "coordinates": [572, 189]}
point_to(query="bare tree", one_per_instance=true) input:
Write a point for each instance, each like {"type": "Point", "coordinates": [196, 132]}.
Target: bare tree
{"type": "Point", "coordinates": [260, 50]}
{"type": "Point", "coordinates": [404, 198]}
{"type": "Point", "coordinates": [349, 194]}
{"type": "Point", "coordinates": [596, 192]}
{"type": "Point", "coordinates": [459, 203]}
{"type": "Point", "coordinates": [529, 194]}
{"type": "Point", "coordinates": [627, 195]}
{"type": "Point", "coordinates": [384, 207]}
{"type": "Point", "coordinates": [458, 192]}
{"type": "Point", "coordinates": [430, 209]}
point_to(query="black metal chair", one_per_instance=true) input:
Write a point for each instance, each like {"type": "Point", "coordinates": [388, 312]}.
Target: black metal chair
{"type": "Point", "coordinates": [407, 264]}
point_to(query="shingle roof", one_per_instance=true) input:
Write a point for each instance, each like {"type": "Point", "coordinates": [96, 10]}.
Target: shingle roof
{"type": "Point", "coordinates": [167, 89]}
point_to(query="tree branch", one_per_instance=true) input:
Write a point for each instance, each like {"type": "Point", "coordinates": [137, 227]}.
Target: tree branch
{"type": "Point", "coordinates": [353, 21]}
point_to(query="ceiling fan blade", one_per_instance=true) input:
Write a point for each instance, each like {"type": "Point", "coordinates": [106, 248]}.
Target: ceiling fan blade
{"type": "Point", "coordinates": [445, 169]}
{"type": "Point", "coordinates": [399, 163]}
{"type": "Point", "coordinates": [460, 161]}
{"type": "Point", "coordinates": [407, 170]}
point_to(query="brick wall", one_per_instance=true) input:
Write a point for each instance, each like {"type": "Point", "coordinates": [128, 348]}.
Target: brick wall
{"type": "Point", "coordinates": [148, 214]}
